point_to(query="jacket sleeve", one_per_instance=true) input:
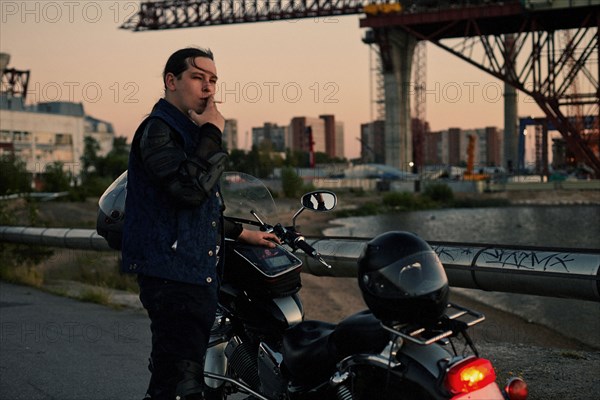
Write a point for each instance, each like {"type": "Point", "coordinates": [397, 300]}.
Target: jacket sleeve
{"type": "Point", "coordinates": [165, 160]}
{"type": "Point", "coordinates": [232, 230]}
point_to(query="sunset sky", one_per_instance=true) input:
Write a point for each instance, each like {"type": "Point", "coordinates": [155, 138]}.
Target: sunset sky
{"type": "Point", "coordinates": [268, 71]}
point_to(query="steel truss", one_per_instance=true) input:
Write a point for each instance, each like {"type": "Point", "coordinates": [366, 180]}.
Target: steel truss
{"type": "Point", "coordinates": [173, 14]}
{"type": "Point", "coordinates": [546, 75]}
{"type": "Point", "coordinates": [533, 60]}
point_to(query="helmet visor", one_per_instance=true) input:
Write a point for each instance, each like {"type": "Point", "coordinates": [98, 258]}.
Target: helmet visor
{"type": "Point", "coordinates": [415, 275]}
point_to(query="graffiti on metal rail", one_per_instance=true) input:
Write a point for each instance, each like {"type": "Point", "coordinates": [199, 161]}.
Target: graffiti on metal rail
{"type": "Point", "coordinates": [455, 255]}
{"type": "Point", "coordinates": [506, 258]}
{"type": "Point", "coordinates": [527, 259]}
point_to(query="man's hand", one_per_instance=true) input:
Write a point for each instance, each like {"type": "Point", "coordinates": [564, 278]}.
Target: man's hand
{"type": "Point", "coordinates": [210, 114]}
{"type": "Point", "coordinates": [259, 238]}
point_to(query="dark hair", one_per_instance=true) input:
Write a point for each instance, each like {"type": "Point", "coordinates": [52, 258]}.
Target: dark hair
{"type": "Point", "coordinates": [180, 61]}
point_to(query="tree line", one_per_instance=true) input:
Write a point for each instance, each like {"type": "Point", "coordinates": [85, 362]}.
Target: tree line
{"type": "Point", "coordinates": [98, 172]}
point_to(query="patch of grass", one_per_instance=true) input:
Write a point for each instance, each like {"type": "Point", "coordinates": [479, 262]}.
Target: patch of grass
{"type": "Point", "coordinates": [439, 193]}
{"type": "Point", "coordinates": [468, 202]}
{"type": "Point", "coordinates": [391, 202]}
{"type": "Point", "coordinates": [96, 295]}
{"type": "Point", "coordinates": [22, 274]}
{"type": "Point", "coordinates": [400, 200]}
{"type": "Point", "coordinates": [37, 265]}
{"type": "Point", "coordinates": [98, 269]}
{"type": "Point", "coordinates": [357, 192]}
{"type": "Point", "coordinates": [435, 197]}
{"type": "Point", "coordinates": [366, 209]}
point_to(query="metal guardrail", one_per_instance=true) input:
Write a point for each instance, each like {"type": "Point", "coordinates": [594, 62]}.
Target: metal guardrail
{"type": "Point", "coordinates": [566, 273]}
{"type": "Point", "coordinates": [42, 196]}
{"type": "Point", "coordinates": [71, 238]}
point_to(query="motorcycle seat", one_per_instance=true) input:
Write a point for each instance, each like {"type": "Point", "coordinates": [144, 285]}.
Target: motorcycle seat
{"type": "Point", "coordinates": [359, 333]}
{"type": "Point", "coordinates": [307, 352]}
{"type": "Point", "coordinates": [312, 348]}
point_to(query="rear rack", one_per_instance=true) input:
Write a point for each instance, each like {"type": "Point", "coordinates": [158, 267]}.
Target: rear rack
{"type": "Point", "coordinates": [456, 319]}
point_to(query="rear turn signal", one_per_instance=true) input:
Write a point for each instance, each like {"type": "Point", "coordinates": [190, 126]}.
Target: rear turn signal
{"type": "Point", "coordinates": [469, 375]}
{"type": "Point", "coordinates": [516, 389]}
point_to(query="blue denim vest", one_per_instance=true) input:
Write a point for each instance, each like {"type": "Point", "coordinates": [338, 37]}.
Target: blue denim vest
{"type": "Point", "coordinates": [163, 239]}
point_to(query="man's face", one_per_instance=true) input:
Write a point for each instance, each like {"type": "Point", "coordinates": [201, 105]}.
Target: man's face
{"type": "Point", "coordinates": [195, 85]}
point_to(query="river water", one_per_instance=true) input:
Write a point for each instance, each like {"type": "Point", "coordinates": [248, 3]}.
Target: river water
{"type": "Point", "coordinates": [547, 226]}
{"type": "Point", "coordinates": [576, 226]}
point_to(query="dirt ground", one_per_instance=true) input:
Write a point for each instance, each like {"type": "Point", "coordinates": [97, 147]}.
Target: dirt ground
{"type": "Point", "coordinates": [556, 367]}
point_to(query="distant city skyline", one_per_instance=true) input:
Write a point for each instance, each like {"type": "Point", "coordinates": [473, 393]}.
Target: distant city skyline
{"type": "Point", "coordinates": [269, 72]}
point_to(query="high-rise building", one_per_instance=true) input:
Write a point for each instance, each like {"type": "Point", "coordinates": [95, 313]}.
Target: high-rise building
{"type": "Point", "coordinates": [299, 138]}
{"type": "Point", "coordinates": [339, 151]}
{"type": "Point", "coordinates": [230, 134]}
{"type": "Point", "coordinates": [450, 147]}
{"type": "Point", "coordinates": [457, 148]}
{"type": "Point", "coordinates": [434, 144]}
{"type": "Point", "coordinates": [270, 134]}
{"type": "Point", "coordinates": [327, 135]}
{"type": "Point", "coordinates": [334, 136]}
{"type": "Point", "coordinates": [493, 149]}
{"type": "Point", "coordinates": [372, 142]}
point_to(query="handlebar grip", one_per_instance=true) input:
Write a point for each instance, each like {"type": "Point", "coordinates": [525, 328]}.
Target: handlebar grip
{"type": "Point", "coordinates": [305, 247]}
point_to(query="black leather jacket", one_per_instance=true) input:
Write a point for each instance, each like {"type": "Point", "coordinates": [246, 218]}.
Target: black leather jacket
{"type": "Point", "coordinates": [163, 158]}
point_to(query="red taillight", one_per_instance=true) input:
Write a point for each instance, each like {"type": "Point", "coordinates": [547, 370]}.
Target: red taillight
{"type": "Point", "coordinates": [469, 375]}
{"type": "Point", "coordinates": [516, 389]}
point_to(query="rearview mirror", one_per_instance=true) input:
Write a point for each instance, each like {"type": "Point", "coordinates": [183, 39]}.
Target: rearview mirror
{"type": "Point", "coordinates": [320, 200]}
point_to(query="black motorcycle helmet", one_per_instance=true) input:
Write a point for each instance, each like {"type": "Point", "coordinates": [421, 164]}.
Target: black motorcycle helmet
{"type": "Point", "coordinates": [402, 279]}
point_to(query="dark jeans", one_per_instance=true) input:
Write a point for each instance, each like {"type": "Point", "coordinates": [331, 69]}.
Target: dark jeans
{"type": "Point", "coordinates": [181, 318]}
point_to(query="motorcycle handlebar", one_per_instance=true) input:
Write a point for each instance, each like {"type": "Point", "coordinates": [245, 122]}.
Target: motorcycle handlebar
{"type": "Point", "coordinates": [297, 241]}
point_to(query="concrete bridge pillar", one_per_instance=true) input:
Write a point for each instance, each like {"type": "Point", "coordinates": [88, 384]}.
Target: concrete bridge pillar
{"type": "Point", "coordinates": [511, 134]}
{"type": "Point", "coordinates": [397, 53]}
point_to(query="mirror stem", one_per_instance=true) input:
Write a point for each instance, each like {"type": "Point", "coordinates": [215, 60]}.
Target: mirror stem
{"type": "Point", "coordinates": [296, 215]}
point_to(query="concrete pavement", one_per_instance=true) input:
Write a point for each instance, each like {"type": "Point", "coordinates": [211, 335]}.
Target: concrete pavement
{"type": "Point", "coordinates": [53, 347]}
{"type": "Point", "coordinates": [57, 348]}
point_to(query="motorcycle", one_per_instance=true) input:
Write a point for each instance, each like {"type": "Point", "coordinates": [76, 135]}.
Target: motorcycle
{"type": "Point", "coordinates": [403, 347]}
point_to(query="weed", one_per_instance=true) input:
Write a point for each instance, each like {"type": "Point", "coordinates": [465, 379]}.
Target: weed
{"type": "Point", "coordinates": [95, 295]}
{"type": "Point", "coordinates": [22, 274]}
{"type": "Point", "coordinates": [439, 193]}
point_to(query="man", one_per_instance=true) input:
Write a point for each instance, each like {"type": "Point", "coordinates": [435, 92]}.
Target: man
{"type": "Point", "coordinates": [173, 228]}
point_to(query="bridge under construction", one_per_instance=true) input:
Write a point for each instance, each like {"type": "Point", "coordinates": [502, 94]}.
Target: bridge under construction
{"type": "Point", "coordinates": [545, 49]}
